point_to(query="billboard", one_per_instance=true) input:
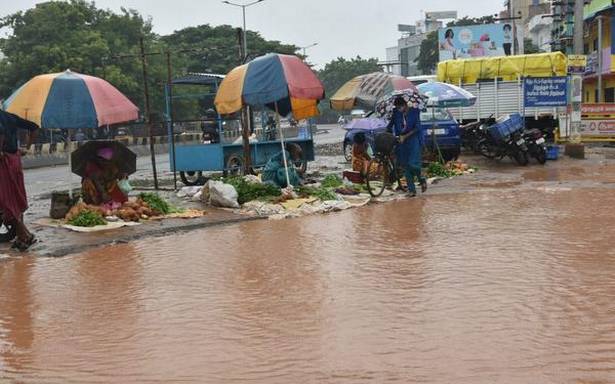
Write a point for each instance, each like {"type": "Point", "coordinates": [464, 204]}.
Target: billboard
{"type": "Point", "coordinates": [475, 41]}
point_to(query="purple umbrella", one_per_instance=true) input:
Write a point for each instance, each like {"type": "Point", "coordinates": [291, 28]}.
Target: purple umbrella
{"type": "Point", "coordinates": [368, 124]}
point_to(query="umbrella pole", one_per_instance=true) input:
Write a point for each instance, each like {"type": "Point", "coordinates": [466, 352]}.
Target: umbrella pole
{"type": "Point", "coordinates": [277, 117]}
{"type": "Point", "coordinates": [70, 167]}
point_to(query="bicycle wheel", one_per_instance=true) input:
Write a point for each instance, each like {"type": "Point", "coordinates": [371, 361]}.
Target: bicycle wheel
{"type": "Point", "coordinates": [377, 177]}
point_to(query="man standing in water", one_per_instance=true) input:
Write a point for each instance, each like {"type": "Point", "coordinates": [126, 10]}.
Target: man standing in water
{"type": "Point", "coordinates": [13, 199]}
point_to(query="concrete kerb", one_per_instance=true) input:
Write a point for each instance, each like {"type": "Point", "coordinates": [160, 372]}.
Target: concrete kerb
{"type": "Point", "coordinates": [147, 233]}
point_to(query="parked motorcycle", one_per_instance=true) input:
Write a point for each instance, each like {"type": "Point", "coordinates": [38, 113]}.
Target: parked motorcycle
{"type": "Point", "coordinates": [471, 134]}
{"type": "Point", "coordinates": [513, 144]}
{"type": "Point", "coordinates": [536, 144]}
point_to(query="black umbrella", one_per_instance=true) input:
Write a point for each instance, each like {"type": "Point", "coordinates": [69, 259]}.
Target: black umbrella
{"type": "Point", "coordinates": [123, 158]}
{"type": "Point", "coordinates": [10, 120]}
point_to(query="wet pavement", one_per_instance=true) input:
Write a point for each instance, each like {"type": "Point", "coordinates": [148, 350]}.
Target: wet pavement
{"type": "Point", "coordinates": [507, 275]}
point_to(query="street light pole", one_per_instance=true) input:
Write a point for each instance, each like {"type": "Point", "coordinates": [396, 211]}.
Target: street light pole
{"type": "Point", "coordinates": [243, 8]}
{"type": "Point", "coordinates": [306, 47]}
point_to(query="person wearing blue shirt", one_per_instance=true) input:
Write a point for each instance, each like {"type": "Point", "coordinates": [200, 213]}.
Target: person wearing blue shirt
{"type": "Point", "coordinates": [406, 125]}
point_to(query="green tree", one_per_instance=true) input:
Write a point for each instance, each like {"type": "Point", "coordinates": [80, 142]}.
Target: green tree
{"type": "Point", "coordinates": [58, 35]}
{"type": "Point", "coordinates": [75, 34]}
{"type": "Point", "coordinates": [529, 47]}
{"type": "Point", "coordinates": [338, 72]}
{"type": "Point", "coordinates": [429, 53]}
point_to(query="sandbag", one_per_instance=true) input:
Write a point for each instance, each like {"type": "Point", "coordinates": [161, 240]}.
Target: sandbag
{"type": "Point", "coordinates": [222, 195]}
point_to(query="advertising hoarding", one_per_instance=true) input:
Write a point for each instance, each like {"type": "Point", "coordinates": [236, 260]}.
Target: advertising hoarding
{"type": "Point", "coordinates": [475, 41]}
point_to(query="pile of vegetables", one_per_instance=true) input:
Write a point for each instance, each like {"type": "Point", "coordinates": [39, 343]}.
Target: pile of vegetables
{"type": "Point", "coordinates": [450, 169]}
{"type": "Point", "coordinates": [322, 193]}
{"type": "Point", "coordinates": [248, 191]}
{"type": "Point", "coordinates": [145, 206]}
{"type": "Point", "coordinates": [158, 205]}
{"type": "Point", "coordinates": [332, 181]}
{"type": "Point", "coordinates": [86, 218]}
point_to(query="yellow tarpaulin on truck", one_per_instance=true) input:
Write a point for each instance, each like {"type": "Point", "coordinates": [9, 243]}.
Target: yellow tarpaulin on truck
{"type": "Point", "coordinates": [469, 71]}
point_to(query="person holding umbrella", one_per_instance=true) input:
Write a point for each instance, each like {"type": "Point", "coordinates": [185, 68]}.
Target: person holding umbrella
{"type": "Point", "coordinates": [13, 198]}
{"type": "Point", "coordinates": [406, 125]}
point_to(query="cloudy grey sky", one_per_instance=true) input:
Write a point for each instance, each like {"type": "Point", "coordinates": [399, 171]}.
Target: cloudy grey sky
{"type": "Point", "coordinates": [343, 28]}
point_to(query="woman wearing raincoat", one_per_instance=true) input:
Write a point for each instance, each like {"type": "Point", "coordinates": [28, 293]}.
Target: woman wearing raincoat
{"type": "Point", "coordinates": [406, 125]}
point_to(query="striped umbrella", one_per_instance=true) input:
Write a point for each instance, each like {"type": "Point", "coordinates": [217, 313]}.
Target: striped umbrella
{"type": "Point", "coordinates": [70, 100]}
{"type": "Point", "coordinates": [282, 83]}
{"type": "Point", "coordinates": [364, 91]}
{"type": "Point", "coordinates": [279, 82]}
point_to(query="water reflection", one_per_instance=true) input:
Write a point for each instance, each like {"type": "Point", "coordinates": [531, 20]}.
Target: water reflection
{"type": "Point", "coordinates": [505, 285]}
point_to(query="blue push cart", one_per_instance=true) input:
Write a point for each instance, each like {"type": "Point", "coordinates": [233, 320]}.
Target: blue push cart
{"type": "Point", "coordinates": [225, 153]}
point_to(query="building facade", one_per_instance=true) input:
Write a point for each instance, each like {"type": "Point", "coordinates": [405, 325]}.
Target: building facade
{"type": "Point", "coordinates": [599, 45]}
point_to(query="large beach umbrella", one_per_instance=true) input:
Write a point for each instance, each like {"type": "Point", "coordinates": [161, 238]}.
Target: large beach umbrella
{"type": "Point", "coordinates": [445, 95]}
{"type": "Point", "coordinates": [282, 83]}
{"type": "Point", "coordinates": [365, 90]}
{"type": "Point", "coordinates": [70, 100]}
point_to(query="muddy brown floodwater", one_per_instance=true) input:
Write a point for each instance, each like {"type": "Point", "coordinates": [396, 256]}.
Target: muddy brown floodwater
{"type": "Point", "coordinates": [500, 286]}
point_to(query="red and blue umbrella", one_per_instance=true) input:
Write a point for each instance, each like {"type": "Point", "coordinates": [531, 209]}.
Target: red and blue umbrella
{"type": "Point", "coordinates": [280, 82]}
{"type": "Point", "coordinates": [70, 100]}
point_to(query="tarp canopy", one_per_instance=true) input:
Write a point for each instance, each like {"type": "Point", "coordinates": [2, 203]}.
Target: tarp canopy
{"type": "Point", "coordinates": [469, 71]}
{"type": "Point", "coordinates": [199, 79]}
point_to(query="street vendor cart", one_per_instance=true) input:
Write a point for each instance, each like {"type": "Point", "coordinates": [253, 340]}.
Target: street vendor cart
{"type": "Point", "coordinates": [223, 151]}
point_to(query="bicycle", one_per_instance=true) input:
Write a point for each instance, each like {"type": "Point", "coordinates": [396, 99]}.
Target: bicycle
{"type": "Point", "coordinates": [382, 170]}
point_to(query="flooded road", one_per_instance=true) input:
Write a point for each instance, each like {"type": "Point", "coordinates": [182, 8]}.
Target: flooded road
{"type": "Point", "coordinates": [506, 285]}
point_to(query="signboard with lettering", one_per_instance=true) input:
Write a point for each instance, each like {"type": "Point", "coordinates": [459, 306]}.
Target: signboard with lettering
{"type": "Point", "coordinates": [441, 15]}
{"type": "Point", "coordinates": [545, 91]}
{"type": "Point", "coordinates": [598, 128]}
{"type": "Point", "coordinates": [577, 64]}
{"type": "Point", "coordinates": [598, 109]}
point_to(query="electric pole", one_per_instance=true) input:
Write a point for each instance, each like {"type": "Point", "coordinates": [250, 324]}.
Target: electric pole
{"type": "Point", "coordinates": [148, 117]}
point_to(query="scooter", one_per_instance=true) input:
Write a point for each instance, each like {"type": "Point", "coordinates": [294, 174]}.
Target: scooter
{"type": "Point", "coordinates": [536, 144]}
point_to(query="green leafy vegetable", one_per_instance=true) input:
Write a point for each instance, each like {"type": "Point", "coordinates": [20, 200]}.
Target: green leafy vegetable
{"type": "Point", "coordinates": [332, 181]}
{"type": "Point", "coordinates": [157, 204]}
{"type": "Point", "coordinates": [247, 191]}
{"type": "Point", "coordinates": [439, 170]}
{"type": "Point", "coordinates": [321, 193]}
{"type": "Point", "coordinates": [87, 218]}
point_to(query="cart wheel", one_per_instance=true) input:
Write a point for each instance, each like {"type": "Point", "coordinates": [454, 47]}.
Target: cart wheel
{"type": "Point", "coordinates": [301, 164]}
{"type": "Point", "coordinates": [234, 165]}
{"type": "Point", "coordinates": [192, 178]}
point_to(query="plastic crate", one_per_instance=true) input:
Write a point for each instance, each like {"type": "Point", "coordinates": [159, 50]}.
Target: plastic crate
{"type": "Point", "coordinates": [506, 126]}
{"type": "Point", "coordinates": [552, 152]}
